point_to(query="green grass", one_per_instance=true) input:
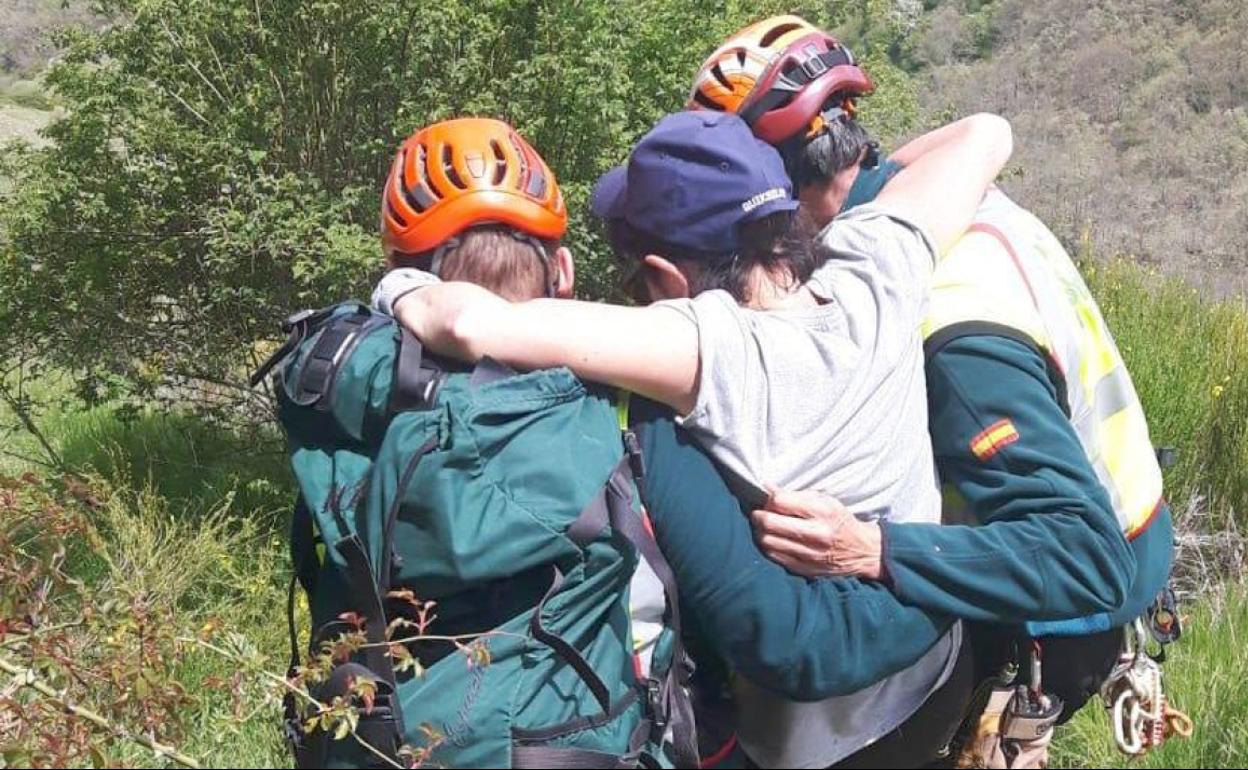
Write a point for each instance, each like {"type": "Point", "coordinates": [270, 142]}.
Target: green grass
{"type": "Point", "coordinates": [222, 569]}
{"type": "Point", "coordinates": [1189, 360]}
{"type": "Point", "coordinates": [24, 93]}
{"type": "Point", "coordinates": [196, 521]}
{"type": "Point", "coordinates": [1205, 677]}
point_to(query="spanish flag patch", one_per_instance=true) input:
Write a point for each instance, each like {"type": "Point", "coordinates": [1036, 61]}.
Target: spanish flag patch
{"type": "Point", "coordinates": [998, 436]}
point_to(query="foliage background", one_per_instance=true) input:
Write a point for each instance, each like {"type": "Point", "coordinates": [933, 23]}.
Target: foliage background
{"type": "Point", "coordinates": [216, 162]}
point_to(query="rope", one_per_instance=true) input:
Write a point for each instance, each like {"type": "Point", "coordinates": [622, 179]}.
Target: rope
{"type": "Point", "coordinates": [1142, 716]}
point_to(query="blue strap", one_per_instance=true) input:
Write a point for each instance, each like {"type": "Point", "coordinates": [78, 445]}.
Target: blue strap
{"type": "Point", "coordinates": [1093, 624]}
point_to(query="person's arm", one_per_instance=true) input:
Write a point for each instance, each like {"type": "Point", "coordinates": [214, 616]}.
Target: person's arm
{"type": "Point", "coordinates": [940, 189]}
{"type": "Point", "coordinates": [1050, 547]}
{"type": "Point", "coordinates": [924, 143]}
{"type": "Point", "coordinates": [652, 351]}
{"type": "Point", "coordinates": [804, 639]}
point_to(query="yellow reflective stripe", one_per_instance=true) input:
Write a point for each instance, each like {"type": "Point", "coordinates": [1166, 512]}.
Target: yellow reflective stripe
{"type": "Point", "coordinates": [1132, 466]}
{"type": "Point", "coordinates": [1099, 358]}
{"type": "Point", "coordinates": [622, 398]}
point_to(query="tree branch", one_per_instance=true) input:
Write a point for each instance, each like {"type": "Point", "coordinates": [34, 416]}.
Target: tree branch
{"type": "Point", "coordinates": [25, 677]}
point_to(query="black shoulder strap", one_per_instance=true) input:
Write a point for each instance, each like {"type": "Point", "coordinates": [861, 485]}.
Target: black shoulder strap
{"type": "Point", "coordinates": [670, 702]}
{"type": "Point", "coordinates": [416, 379]}
{"type": "Point", "coordinates": [332, 348]}
{"type": "Point", "coordinates": [297, 327]}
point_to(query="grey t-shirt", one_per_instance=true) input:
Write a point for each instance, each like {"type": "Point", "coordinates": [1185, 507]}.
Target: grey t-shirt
{"type": "Point", "coordinates": [830, 398]}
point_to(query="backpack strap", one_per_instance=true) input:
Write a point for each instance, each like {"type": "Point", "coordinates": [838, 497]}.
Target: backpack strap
{"type": "Point", "coordinates": [382, 728]}
{"type": "Point", "coordinates": [376, 657]}
{"type": "Point", "coordinates": [296, 328]}
{"type": "Point", "coordinates": [669, 696]}
{"type": "Point", "coordinates": [416, 380]}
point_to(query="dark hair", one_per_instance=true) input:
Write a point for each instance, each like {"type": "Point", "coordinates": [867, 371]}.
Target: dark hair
{"type": "Point", "coordinates": [782, 244]}
{"type": "Point", "coordinates": [840, 145]}
{"type": "Point", "coordinates": [492, 256]}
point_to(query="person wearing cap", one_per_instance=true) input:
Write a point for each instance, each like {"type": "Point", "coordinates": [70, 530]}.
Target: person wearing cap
{"type": "Point", "coordinates": [807, 639]}
{"type": "Point", "coordinates": [790, 364]}
{"type": "Point", "coordinates": [1035, 422]}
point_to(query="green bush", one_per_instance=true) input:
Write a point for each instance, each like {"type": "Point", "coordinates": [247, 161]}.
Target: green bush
{"type": "Point", "coordinates": [218, 161]}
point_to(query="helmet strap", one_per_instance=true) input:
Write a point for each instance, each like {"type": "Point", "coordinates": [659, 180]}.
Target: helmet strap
{"type": "Point", "coordinates": [551, 277]}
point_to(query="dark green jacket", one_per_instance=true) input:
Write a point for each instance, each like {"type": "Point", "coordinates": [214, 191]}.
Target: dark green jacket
{"type": "Point", "coordinates": [1063, 557]}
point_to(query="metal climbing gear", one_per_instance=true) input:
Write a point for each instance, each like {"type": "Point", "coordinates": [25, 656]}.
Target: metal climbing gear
{"type": "Point", "coordinates": [1141, 714]}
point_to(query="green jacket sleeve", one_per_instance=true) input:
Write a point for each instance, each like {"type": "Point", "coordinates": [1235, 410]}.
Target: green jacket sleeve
{"type": "Point", "coordinates": [807, 640]}
{"type": "Point", "coordinates": [1049, 546]}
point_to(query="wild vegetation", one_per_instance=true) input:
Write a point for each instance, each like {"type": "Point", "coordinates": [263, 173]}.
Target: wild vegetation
{"type": "Point", "coordinates": [212, 165]}
{"type": "Point", "coordinates": [1132, 117]}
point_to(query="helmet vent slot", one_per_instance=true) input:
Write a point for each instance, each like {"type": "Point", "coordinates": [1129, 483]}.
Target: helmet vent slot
{"type": "Point", "coordinates": [393, 214]}
{"type": "Point", "coordinates": [448, 166]}
{"type": "Point", "coordinates": [500, 162]}
{"type": "Point", "coordinates": [422, 166]}
{"type": "Point", "coordinates": [776, 32]}
{"type": "Point", "coordinates": [718, 72]}
{"type": "Point", "coordinates": [706, 101]}
{"type": "Point", "coordinates": [537, 184]}
{"type": "Point", "coordinates": [524, 160]}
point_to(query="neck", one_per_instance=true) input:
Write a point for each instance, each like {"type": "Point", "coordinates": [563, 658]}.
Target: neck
{"type": "Point", "coordinates": [842, 183]}
{"type": "Point", "coordinates": [767, 294]}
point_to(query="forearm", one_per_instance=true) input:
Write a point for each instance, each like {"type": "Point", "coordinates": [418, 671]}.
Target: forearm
{"type": "Point", "coordinates": [1050, 546]}
{"type": "Point", "coordinates": [650, 351]}
{"type": "Point", "coordinates": [912, 150]}
{"type": "Point", "coordinates": [941, 187]}
{"type": "Point", "coordinates": [1050, 565]}
{"type": "Point", "coordinates": [804, 639]}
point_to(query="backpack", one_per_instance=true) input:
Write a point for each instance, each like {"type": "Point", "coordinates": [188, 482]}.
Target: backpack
{"type": "Point", "coordinates": [509, 501]}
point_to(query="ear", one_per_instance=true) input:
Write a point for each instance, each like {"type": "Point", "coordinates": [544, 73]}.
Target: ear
{"type": "Point", "coordinates": [565, 273]}
{"type": "Point", "coordinates": [663, 279]}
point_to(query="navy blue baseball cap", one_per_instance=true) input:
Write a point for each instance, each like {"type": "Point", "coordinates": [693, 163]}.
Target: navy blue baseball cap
{"type": "Point", "coordinates": [694, 180]}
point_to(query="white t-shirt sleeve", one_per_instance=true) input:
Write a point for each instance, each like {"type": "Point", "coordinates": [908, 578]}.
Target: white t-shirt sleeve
{"type": "Point", "coordinates": [397, 284]}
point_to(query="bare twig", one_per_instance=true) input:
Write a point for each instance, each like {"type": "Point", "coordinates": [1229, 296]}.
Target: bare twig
{"type": "Point", "coordinates": [285, 683]}
{"type": "Point", "coordinates": [173, 39]}
{"type": "Point", "coordinates": [26, 678]}
{"type": "Point", "coordinates": [23, 415]}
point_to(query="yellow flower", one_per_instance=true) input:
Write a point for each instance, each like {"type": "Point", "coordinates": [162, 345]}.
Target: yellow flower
{"type": "Point", "coordinates": [1217, 391]}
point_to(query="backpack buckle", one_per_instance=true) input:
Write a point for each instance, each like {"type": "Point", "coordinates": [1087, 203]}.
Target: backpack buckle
{"type": "Point", "coordinates": [636, 460]}
{"type": "Point", "coordinates": [658, 709]}
{"type": "Point", "coordinates": [298, 318]}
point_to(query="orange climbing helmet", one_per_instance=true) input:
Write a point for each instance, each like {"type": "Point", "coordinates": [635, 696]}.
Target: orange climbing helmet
{"type": "Point", "coordinates": [461, 173]}
{"type": "Point", "coordinates": [784, 76]}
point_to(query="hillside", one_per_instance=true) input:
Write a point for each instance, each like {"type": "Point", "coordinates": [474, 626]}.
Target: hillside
{"type": "Point", "coordinates": [1130, 118]}
{"type": "Point", "coordinates": [27, 41]}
